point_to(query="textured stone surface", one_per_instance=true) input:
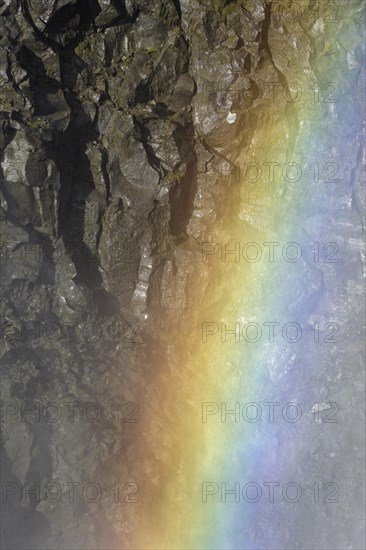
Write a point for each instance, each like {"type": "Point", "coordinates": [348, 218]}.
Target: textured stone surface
{"type": "Point", "coordinates": [115, 133]}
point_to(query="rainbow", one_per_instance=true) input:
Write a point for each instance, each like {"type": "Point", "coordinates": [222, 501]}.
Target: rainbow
{"type": "Point", "coordinates": [268, 333]}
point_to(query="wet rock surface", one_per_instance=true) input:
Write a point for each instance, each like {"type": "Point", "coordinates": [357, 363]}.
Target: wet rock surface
{"type": "Point", "coordinates": [118, 121]}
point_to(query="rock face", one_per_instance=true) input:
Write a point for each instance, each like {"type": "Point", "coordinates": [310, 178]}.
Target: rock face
{"type": "Point", "coordinates": [119, 122]}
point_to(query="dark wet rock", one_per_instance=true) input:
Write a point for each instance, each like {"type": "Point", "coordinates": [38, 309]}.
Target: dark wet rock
{"type": "Point", "coordinates": [182, 94]}
{"type": "Point", "coordinates": [121, 123]}
{"type": "Point", "coordinates": [148, 33]}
